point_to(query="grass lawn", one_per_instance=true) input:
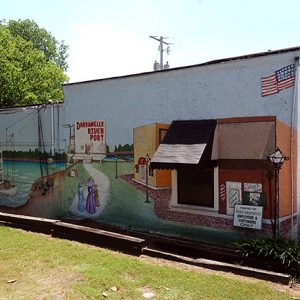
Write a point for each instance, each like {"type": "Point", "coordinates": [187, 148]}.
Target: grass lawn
{"type": "Point", "coordinates": [34, 266]}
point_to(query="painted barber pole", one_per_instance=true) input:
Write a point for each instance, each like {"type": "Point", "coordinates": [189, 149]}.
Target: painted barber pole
{"type": "Point", "coordinates": [222, 192]}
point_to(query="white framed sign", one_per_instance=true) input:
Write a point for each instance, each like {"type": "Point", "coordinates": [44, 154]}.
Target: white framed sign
{"type": "Point", "coordinates": [233, 195]}
{"type": "Point", "coordinates": [248, 216]}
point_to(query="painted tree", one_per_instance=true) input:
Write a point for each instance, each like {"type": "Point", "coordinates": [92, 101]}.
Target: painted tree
{"type": "Point", "coordinates": [31, 72]}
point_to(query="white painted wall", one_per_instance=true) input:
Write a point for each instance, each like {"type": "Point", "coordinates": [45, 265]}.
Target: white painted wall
{"type": "Point", "coordinates": [219, 90]}
{"type": "Point", "coordinates": [227, 89]}
{"type": "Point", "coordinates": [23, 124]}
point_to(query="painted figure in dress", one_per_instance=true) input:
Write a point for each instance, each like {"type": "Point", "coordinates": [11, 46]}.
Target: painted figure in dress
{"type": "Point", "coordinates": [90, 201]}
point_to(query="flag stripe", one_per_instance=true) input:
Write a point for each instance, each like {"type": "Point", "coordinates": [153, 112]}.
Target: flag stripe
{"type": "Point", "coordinates": [284, 84]}
{"type": "Point", "coordinates": [269, 85]}
{"type": "Point", "coordinates": [263, 94]}
{"type": "Point", "coordinates": [280, 80]}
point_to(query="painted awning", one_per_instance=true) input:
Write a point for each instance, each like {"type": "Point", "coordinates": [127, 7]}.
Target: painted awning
{"type": "Point", "coordinates": [186, 143]}
{"type": "Point", "coordinates": [244, 140]}
{"type": "Point", "coordinates": [204, 142]}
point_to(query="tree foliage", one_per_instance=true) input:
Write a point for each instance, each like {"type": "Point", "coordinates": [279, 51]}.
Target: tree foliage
{"type": "Point", "coordinates": [41, 39]}
{"type": "Point", "coordinates": [31, 67]}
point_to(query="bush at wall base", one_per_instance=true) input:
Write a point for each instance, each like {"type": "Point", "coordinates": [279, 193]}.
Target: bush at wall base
{"type": "Point", "coordinates": [283, 251]}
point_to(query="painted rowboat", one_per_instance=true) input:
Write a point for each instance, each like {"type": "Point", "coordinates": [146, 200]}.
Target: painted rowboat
{"type": "Point", "coordinates": [6, 188]}
{"type": "Point", "coordinates": [10, 192]}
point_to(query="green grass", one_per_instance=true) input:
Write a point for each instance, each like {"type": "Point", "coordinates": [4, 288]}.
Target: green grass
{"type": "Point", "coordinates": [48, 268]}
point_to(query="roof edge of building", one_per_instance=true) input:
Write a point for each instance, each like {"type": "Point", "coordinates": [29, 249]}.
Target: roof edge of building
{"type": "Point", "coordinates": [212, 62]}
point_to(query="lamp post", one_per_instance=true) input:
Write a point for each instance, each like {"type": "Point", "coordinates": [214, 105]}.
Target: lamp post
{"type": "Point", "coordinates": [147, 159]}
{"type": "Point", "coordinates": [116, 160]}
{"type": "Point", "coordinates": [270, 176]}
{"type": "Point", "coordinates": [70, 129]}
{"type": "Point", "coordinates": [277, 159]}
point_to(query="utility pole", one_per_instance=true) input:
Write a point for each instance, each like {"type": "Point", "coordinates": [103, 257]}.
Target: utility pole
{"type": "Point", "coordinates": [160, 65]}
{"type": "Point", "coordinates": [52, 126]}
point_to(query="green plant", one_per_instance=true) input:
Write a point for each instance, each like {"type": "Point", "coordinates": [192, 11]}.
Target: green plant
{"type": "Point", "coordinates": [284, 251]}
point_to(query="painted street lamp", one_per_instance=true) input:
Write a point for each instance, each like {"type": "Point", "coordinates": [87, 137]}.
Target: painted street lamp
{"type": "Point", "coordinates": [147, 159]}
{"type": "Point", "coordinates": [270, 177]}
{"type": "Point", "coordinates": [277, 159]}
{"type": "Point", "coordinates": [70, 129]}
{"type": "Point", "coordinates": [116, 161]}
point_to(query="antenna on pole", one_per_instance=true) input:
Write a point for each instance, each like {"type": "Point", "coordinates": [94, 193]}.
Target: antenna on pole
{"type": "Point", "coordinates": [160, 65]}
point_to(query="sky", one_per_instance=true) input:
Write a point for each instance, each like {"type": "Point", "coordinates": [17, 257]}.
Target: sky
{"type": "Point", "coordinates": [109, 38]}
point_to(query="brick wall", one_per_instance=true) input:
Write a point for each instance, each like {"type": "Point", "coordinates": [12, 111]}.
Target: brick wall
{"type": "Point", "coordinates": [162, 200]}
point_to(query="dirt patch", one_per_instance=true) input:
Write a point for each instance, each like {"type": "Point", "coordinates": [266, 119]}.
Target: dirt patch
{"type": "Point", "coordinates": [52, 283]}
{"type": "Point", "coordinates": [56, 283]}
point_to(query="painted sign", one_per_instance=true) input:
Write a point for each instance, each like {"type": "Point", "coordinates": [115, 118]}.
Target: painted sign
{"type": "Point", "coordinates": [256, 199]}
{"type": "Point", "coordinates": [233, 195]}
{"type": "Point", "coordinates": [248, 216]}
{"type": "Point", "coordinates": [253, 187]}
{"type": "Point", "coordinates": [90, 137]}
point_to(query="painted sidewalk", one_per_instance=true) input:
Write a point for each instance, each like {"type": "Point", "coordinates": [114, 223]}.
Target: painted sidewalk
{"type": "Point", "coordinates": [103, 186]}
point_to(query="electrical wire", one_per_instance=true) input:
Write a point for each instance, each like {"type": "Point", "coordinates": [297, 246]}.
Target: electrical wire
{"type": "Point", "coordinates": [41, 147]}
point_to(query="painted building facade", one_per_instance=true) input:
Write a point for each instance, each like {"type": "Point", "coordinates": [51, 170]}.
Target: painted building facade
{"type": "Point", "coordinates": [218, 164]}
{"type": "Point", "coordinates": [146, 140]}
{"type": "Point", "coordinates": [249, 106]}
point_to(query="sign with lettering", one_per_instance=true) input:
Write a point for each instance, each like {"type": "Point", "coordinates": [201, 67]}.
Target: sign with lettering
{"type": "Point", "coordinates": [248, 216]}
{"type": "Point", "coordinates": [253, 187]}
{"type": "Point", "coordinates": [89, 137]}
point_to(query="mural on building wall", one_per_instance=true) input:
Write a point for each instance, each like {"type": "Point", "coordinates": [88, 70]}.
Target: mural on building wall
{"type": "Point", "coordinates": [135, 189]}
{"type": "Point", "coordinates": [29, 167]}
{"type": "Point", "coordinates": [27, 184]}
{"type": "Point", "coordinates": [181, 175]}
{"type": "Point", "coordinates": [123, 189]}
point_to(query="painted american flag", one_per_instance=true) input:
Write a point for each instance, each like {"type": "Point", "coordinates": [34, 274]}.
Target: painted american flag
{"type": "Point", "coordinates": [280, 80]}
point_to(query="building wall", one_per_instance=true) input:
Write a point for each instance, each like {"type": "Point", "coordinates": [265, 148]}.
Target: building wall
{"type": "Point", "coordinates": [289, 200]}
{"type": "Point", "coordinates": [146, 141]}
{"type": "Point", "coordinates": [23, 124]}
{"type": "Point", "coordinates": [287, 190]}
{"type": "Point", "coordinates": [163, 177]}
{"type": "Point", "coordinates": [228, 89]}
{"type": "Point", "coordinates": [247, 172]}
